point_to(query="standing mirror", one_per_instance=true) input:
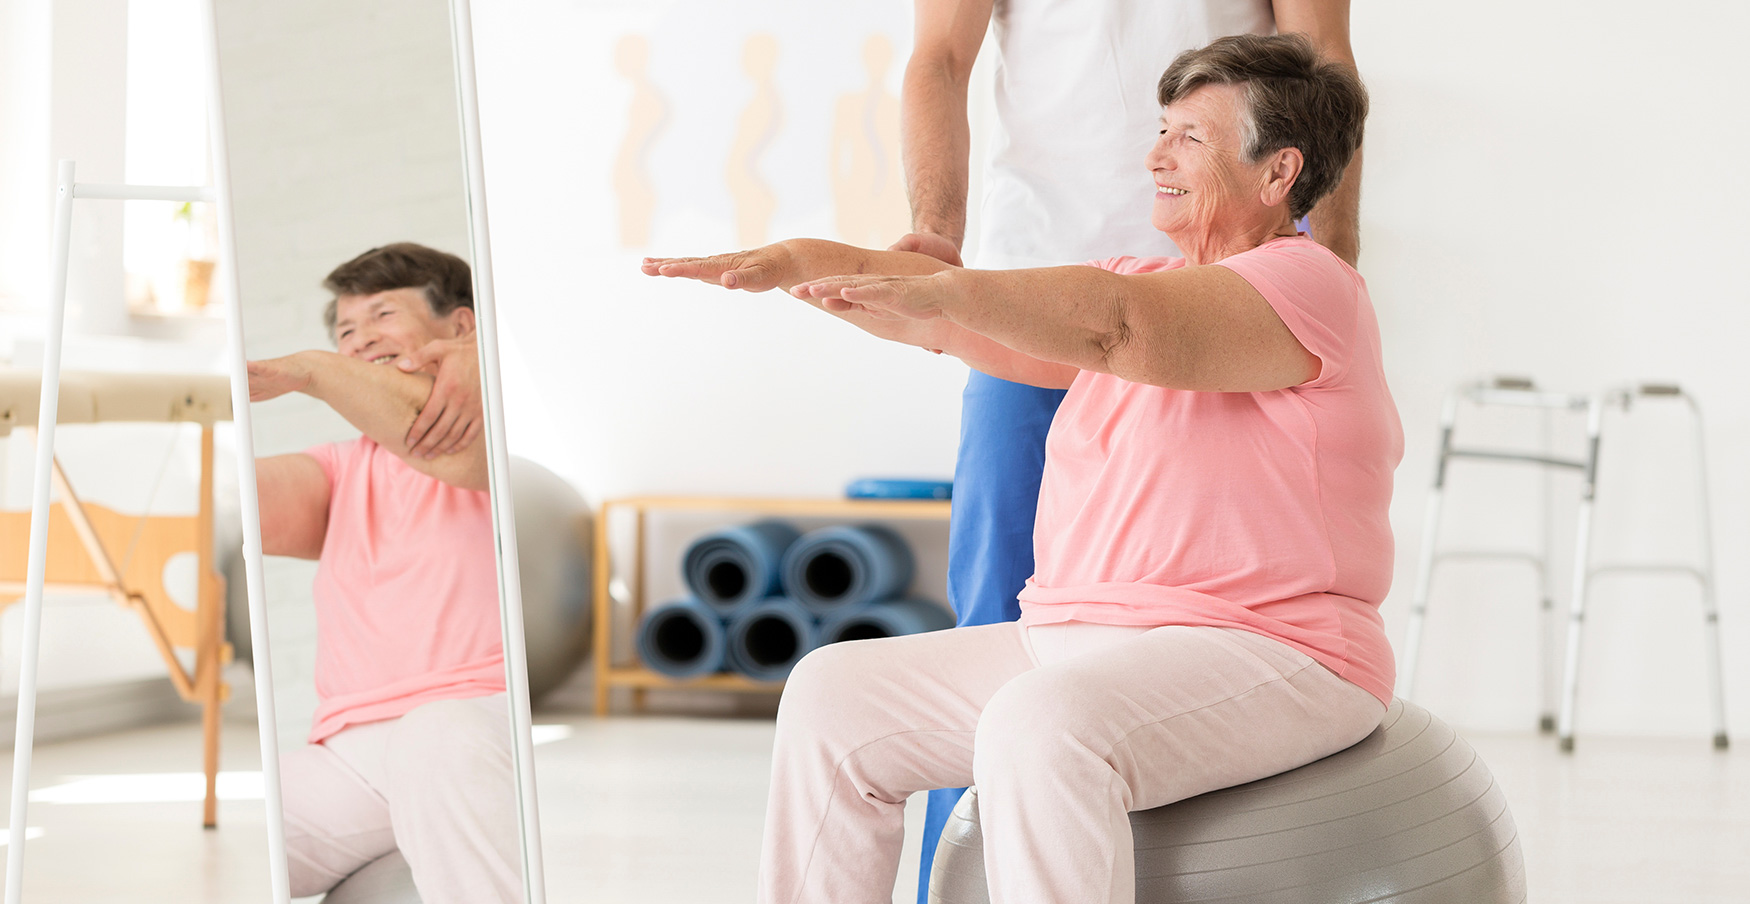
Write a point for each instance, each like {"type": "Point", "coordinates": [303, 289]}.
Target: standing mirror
{"type": "Point", "coordinates": [396, 652]}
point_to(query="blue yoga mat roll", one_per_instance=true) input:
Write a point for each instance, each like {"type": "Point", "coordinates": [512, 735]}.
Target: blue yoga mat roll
{"type": "Point", "coordinates": [684, 639]}
{"type": "Point", "coordinates": [886, 618]}
{"type": "Point", "coordinates": [834, 569]}
{"type": "Point", "coordinates": [733, 568]}
{"type": "Point", "coordinates": [768, 638]}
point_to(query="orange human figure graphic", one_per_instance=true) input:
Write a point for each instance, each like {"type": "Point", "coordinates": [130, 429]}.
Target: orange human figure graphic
{"type": "Point", "coordinates": [754, 201]}
{"type": "Point", "coordinates": [868, 184]}
{"type": "Point", "coordinates": [644, 121]}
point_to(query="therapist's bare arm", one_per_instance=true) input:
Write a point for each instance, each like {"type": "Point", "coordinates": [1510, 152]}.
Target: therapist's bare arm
{"type": "Point", "coordinates": [1336, 221]}
{"type": "Point", "coordinates": [785, 264]}
{"type": "Point", "coordinates": [379, 400]}
{"type": "Point", "coordinates": [1199, 328]}
{"type": "Point", "coordinates": [293, 494]}
{"type": "Point", "coordinates": [935, 137]}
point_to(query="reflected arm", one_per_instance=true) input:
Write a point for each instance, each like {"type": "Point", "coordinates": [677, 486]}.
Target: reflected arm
{"type": "Point", "coordinates": [294, 505]}
{"type": "Point", "coordinates": [381, 401]}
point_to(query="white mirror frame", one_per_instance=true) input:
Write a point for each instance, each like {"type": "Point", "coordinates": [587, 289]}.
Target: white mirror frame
{"type": "Point", "coordinates": [503, 513]}
{"type": "Point", "coordinates": [510, 590]}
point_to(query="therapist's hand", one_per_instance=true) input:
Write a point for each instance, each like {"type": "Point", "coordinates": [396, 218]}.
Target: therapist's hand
{"type": "Point", "coordinates": [755, 271]}
{"type": "Point", "coordinates": [937, 246]}
{"type": "Point", "coordinates": [451, 417]}
{"type": "Point", "coordinates": [882, 297]}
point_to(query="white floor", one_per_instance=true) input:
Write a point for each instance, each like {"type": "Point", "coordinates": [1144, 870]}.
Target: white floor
{"type": "Point", "coordinates": [668, 809]}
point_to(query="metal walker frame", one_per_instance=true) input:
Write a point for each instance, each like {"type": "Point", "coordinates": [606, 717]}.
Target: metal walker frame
{"type": "Point", "coordinates": [1558, 714]}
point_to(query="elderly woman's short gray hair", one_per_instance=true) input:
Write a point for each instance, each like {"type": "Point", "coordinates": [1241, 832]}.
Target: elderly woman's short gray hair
{"type": "Point", "coordinates": [1297, 100]}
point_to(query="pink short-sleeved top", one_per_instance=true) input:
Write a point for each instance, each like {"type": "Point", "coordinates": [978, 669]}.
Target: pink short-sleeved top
{"type": "Point", "coordinates": [1265, 511]}
{"type": "Point", "coordinates": [406, 591]}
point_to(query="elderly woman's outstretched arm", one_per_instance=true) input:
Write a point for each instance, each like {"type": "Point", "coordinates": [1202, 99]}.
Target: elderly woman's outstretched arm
{"type": "Point", "coordinates": [380, 401]}
{"type": "Point", "coordinates": [788, 263]}
{"type": "Point", "coordinates": [1199, 328]}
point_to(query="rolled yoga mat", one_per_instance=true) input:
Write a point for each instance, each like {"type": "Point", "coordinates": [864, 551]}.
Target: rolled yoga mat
{"type": "Point", "coordinates": [886, 618]}
{"type": "Point", "coordinates": [685, 639]}
{"type": "Point", "coordinates": [769, 638]}
{"type": "Point", "coordinates": [733, 568]}
{"type": "Point", "coordinates": [835, 569]}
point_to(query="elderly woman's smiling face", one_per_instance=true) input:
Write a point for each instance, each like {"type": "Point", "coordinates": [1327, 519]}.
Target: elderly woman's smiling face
{"type": "Point", "coordinates": [1206, 198]}
{"type": "Point", "coordinates": [383, 327]}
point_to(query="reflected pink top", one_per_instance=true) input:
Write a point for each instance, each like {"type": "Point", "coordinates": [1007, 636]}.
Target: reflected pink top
{"type": "Point", "coordinates": [406, 591]}
{"type": "Point", "coordinates": [1265, 511]}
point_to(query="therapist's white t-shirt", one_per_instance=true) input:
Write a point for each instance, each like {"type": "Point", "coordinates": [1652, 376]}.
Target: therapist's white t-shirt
{"type": "Point", "coordinates": [1076, 115]}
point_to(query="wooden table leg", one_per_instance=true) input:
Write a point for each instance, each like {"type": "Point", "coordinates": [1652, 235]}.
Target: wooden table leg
{"type": "Point", "coordinates": [209, 654]}
{"type": "Point", "coordinates": [604, 612]}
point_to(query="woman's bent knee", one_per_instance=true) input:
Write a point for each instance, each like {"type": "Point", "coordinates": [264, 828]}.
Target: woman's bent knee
{"type": "Point", "coordinates": [1037, 720]}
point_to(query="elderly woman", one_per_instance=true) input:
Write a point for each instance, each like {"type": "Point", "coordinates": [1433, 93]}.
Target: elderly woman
{"type": "Point", "coordinates": [1212, 538]}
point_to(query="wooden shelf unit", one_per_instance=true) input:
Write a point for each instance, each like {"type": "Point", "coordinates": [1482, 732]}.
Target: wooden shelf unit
{"type": "Point", "coordinates": [610, 674]}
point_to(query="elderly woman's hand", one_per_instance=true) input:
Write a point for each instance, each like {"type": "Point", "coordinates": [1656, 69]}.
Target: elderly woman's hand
{"type": "Point", "coordinates": [274, 377]}
{"type": "Point", "coordinates": [755, 271]}
{"type": "Point", "coordinates": [884, 297]}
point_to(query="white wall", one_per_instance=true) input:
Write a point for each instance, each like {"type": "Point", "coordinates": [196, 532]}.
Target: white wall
{"type": "Point", "coordinates": [1553, 189]}
{"type": "Point", "coordinates": [1550, 190]}
{"type": "Point", "coordinates": [25, 169]}
{"type": "Point", "coordinates": [627, 384]}
{"type": "Point", "coordinates": [88, 100]}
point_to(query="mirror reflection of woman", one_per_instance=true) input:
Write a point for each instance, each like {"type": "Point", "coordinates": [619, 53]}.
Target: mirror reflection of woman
{"type": "Point", "coordinates": [1213, 539]}
{"type": "Point", "coordinates": [409, 749]}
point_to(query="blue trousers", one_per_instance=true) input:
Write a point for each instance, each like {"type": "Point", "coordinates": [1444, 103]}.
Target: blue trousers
{"type": "Point", "coordinates": [990, 530]}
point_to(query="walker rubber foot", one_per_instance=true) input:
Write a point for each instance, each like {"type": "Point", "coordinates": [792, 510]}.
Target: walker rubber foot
{"type": "Point", "coordinates": [1546, 724]}
{"type": "Point", "coordinates": [1720, 742]}
{"type": "Point", "coordinates": [1567, 745]}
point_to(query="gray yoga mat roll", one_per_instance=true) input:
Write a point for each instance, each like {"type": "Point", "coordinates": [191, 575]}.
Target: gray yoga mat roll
{"type": "Point", "coordinates": [886, 618]}
{"type": "Point", "coordinates": [1408, 816]}
{"type": "Point", "coordinates": [736, 567]}
{"type": "Point", "coordinates": [834, 569]}
{"type": "Point", "coordinates": [767, 639]}
{"type": "Point", "coordinates": [684, 639]}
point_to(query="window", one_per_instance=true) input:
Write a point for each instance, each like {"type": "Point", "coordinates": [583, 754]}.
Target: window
{"type": "Point", "coordinates": [168, 249]}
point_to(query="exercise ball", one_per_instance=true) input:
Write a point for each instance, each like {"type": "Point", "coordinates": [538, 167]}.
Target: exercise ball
{"type": "Point", "coordinates": [1410, 814]}
{"type": "Point", "coordinates": [553, 557]}
{"type": "Point", "coordinates": [385, 880]}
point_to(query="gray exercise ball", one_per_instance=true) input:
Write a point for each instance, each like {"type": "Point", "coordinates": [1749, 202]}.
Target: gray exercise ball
{"type": "Point", "coordinates": [385, 880]}
{"type": "Point", "coordinates": [1408, 816]}
{"type": "Point", "coordinates": [553, 552]}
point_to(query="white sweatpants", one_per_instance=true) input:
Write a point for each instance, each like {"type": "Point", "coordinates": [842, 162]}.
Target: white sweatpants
{"type": "Point", "coordinates": [1065, 729]}
{"type": "Point", "coordinates": [437, 783]}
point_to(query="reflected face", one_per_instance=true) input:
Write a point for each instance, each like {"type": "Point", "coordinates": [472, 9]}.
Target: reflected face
{"type": "Point", "coordinates": [381, 328]}
{"type": "Point", "coordinates": [1201, 184]}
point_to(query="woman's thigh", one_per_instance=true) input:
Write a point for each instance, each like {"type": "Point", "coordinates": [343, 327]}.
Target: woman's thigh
{"type": "Point", "coordinates": [335, 822]}
{"type": "Point", "coordinates": [1176, 711]}
{"type": "Point", "coordinates": [916, 698]}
